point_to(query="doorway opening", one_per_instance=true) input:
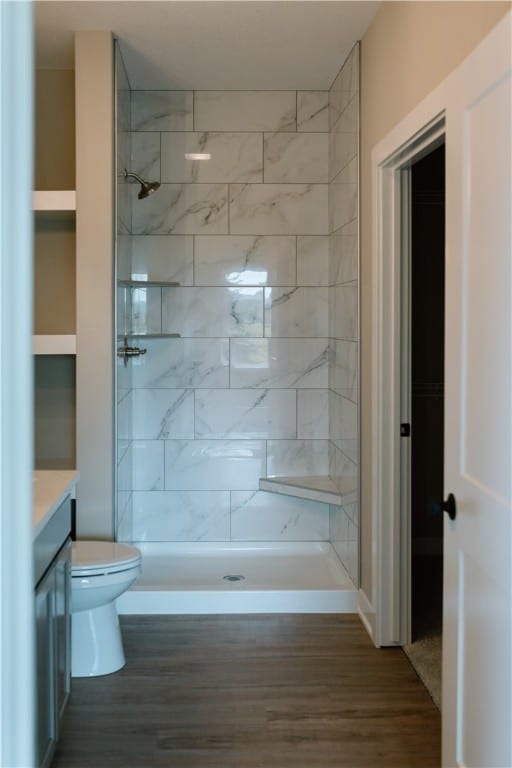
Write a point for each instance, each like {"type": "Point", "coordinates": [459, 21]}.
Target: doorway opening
{"type": "Point", "coordinates": [423, 410]}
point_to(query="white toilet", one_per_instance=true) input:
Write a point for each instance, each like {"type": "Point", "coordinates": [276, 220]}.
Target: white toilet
{"type": "Point", "coordinates": [100, 572]}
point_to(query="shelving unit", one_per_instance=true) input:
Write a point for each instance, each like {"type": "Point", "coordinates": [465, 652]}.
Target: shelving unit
{"type": "Point", "coordinates": [54, 206]}
{"type": "Point", "coordinates": [54, 339]}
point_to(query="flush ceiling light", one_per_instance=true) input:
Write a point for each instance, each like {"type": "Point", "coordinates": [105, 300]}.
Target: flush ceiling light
{"type": "Point", "coordinates": [197, 156]}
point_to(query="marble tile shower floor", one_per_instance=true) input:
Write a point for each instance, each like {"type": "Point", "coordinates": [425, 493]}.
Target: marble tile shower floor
{"type": "Point", "coordinates": [305, 577]}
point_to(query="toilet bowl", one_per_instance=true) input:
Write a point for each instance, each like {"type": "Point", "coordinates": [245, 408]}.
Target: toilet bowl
{"type": "Point", "coordinates": [100, 572]}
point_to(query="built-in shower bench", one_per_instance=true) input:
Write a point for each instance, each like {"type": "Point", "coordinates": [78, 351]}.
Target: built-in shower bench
{"type": "Point", "coordinates": [313, 487]}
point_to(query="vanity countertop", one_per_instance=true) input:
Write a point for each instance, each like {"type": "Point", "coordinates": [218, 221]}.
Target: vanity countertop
{"type": "Point", "coordinates": [50, 489]}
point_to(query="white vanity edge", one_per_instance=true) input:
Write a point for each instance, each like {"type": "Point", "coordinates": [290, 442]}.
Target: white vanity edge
{"type": "Point", "coordinates": [50, 486]}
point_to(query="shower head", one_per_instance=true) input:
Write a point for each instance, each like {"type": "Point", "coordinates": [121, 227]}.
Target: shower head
{"type": "Point", "coordinates": [146, 187]}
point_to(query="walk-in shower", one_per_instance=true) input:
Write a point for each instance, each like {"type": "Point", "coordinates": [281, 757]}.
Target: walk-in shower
{"type": "Point", "coordinates": [237, 430]}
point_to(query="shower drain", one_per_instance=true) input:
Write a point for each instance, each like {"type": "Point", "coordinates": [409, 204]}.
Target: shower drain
{"type": "Point", "coordinates": [233, 577]}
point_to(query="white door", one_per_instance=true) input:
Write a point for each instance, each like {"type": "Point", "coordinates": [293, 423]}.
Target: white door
{"type": "Point", "coordinates": [477, 713]}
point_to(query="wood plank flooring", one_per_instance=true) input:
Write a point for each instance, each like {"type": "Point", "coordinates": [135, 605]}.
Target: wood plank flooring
{"type": "Point", "coordinates": [256, 691]}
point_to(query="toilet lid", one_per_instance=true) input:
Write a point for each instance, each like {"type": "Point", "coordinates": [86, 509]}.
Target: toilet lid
{"type": "Point", "coordinates": [102, 556]}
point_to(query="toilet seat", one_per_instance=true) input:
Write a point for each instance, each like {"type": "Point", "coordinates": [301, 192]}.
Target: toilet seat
{"type": "Point", "coordinates": [97, 558]}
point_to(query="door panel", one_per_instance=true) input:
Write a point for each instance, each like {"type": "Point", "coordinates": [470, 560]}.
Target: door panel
{"type": "Point", "coordinates": [486, 292]}
{"type": "Point", "coordinates": [477, 707]}
{"type": "Point", "coordinates": [482, 629]}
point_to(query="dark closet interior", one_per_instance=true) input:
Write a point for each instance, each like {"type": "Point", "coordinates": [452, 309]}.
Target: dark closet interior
{"type": "Point", "coordinates": [427, 380]}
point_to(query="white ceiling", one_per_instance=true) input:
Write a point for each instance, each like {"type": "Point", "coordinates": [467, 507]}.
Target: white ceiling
{"type": "Point", "coordinates": [198, 44]}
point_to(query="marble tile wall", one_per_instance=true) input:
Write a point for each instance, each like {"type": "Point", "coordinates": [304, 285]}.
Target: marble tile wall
{"type": "Point", "coordinates": [262, 239]}
{"type": "Point", "coordinates": [244, 391]}
{"type": "Point", "coordinates": [343, 301]}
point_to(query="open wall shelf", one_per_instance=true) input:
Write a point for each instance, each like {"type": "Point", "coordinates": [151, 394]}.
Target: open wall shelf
{"type": "Point", "coordinates": [54, 272]}
{"type": "Point", "coordinates": [54, 344]}
{"type": "Point", "coordinates": [54, 200]}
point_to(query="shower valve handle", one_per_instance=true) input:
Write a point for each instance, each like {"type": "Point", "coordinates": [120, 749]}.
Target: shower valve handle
{"type": "Point", "coordinates": [126, 352]}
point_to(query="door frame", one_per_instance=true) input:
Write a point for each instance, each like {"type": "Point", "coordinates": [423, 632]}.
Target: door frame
{"type": "Point", "coordinates": [405, 382]}
{"type": "Point", "coordinates": [413, 138]}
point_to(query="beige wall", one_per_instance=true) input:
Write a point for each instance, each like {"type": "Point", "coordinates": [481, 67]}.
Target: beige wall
{"type": "Point", "coordinates": [54, 274]}
{"type": "Point", "coordinates": [94, 85]}
{"type": "Point", "coordinates": [407, 51]}
{"type": "Point", "coordinates": [54, 412]}
{"type": "Point", "coordinates": [55, 129]}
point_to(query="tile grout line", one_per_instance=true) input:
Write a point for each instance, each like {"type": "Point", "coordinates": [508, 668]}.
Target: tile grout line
{"type": "Point", "coordinates": [229, 362]}
{"type": "Point", "coordinates": [230, 515]}
{"type": "Point", "coordinates": [194, 260]}
{"type": "Point", "coordinates": [228, 203]}
{"type": "Point", "coordinates": [195, 412]}
{"type": "Point", "coordinates": [263, 157]}
{"type": "Point", "coordinates": [296, 414]}
{"type": "Point", "coordinates": [296, 260]}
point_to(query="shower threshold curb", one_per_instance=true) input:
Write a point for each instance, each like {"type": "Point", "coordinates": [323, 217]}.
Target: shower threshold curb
{"type": "Point", "coordinates": [217, 601]}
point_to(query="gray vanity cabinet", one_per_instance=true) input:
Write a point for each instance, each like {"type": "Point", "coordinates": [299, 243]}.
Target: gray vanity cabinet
{"type": "Point", "coordinates": [62, 629]}
{"type": "Point", "coordinates": [53, 629]}
{"type": "Point", "coordinates": [45, 643]}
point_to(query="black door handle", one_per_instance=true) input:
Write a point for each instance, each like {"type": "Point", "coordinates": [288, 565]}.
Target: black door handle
{"type": "Point", "coordinates": [450, 506]}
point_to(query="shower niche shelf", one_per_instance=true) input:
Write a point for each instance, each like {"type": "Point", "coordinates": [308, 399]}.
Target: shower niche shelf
{"type": "Point", "coordinates": [147, 284]}
{"type": "Point", "coordinates": [312, 487]}
{"type": "Point", "coordinates": [138, 284]}
{"type": "Point", "coordinates": [150, 336]}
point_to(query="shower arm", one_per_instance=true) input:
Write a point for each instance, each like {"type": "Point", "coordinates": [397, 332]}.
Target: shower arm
{"type": "Point", "coordinates": [128, 174]}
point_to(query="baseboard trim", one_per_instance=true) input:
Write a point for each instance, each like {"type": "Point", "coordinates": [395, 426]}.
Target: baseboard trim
{"type": "Point", "coordinates": [366, 613]}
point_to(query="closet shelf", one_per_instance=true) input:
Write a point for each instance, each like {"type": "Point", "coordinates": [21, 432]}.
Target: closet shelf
{"type": "Point", "coordinates": [54, 200]}
{"type": "Point", "coordinates": [313, 488]}
{"type": "Point", "coordinates": [53, 344]}
{"type": "Point", "coordinates": [147, 284]}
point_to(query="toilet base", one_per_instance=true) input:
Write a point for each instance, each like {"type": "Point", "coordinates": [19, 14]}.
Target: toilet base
{"type": "Point", "coordinates": [96, 643]}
